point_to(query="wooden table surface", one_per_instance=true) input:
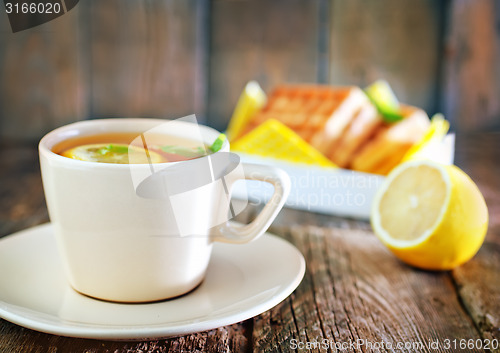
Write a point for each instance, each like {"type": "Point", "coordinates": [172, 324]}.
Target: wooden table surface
{"type": "Point", "coordinates": [354, 291]}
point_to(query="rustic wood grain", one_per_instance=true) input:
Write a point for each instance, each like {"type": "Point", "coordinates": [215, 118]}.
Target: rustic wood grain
{"type": "Point", "coordinates": [170, 58]}
{"type": "Point", "coordinates": [15, 339]}
{"type": "Point", "coordinates": [293, 217]}
{"type": "Point", "coordinates": [104, 59]}
{"type": "Point", "coordinates": [478, 286]}
{"type": "Point", "coordinates": [479, 156]}
{"type": "Point", "coordinates": [471, 65]}
{"type": "Point", "coordinates": [394, 40]}
{"type": "Point", "coordinates": [41, 82]}
{"type": "Point", "coordinates": [478, 281]}
{"type": "Point", "coordinates": [146, 58]}
{"type": "Point", "coordinates": [22, 201]}
{"type": "Point", "coordinates": [355, 289]}
{"type": "Point", "coordinates": [268, 41]}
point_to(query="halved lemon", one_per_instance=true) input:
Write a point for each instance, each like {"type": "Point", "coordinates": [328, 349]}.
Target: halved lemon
{"type": "Point", "coordinates": [429, 215]}
{"type": "Point", "coordinates": [113, 153]}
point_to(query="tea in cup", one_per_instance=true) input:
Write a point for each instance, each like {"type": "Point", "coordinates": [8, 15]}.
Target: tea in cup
{"type": "Point", "coordinates": [136, 204]}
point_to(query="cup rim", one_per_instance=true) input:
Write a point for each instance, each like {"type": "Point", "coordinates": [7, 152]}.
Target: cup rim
{"type": "Point", "coordinates": [46, 151]}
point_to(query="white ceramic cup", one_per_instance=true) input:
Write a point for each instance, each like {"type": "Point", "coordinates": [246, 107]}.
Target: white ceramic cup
{"type": "Point", "coordinates": [119, 243]}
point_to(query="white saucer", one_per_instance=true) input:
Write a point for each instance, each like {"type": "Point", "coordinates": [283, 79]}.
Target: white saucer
{"type": "Point", "coordinates": [242, 281]}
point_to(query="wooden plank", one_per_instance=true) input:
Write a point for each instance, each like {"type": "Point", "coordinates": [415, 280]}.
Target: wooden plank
{"type": "Point", "coordinates": [132, 59]}
{"type": "Point", "coordinates": [478, 280]}
{"type": "Point", "coordinates": [146, 58]}
{"type": "Point", "coordinates": [290, 218]}
{"type": "Point", "coordinates": [15, 339]}
{"type": "Point", "coordinates": [268, 41]}
{"type": "Point", "coordinates": [296, 319]}
{"type": "Point", "coordinates": [23, 202]}
{"type": "Point", "coordinates": [41, 85]}
{"type": "Point", "coordinates": [389, 39]}
{"type": "Point", "coordinates": [478, 156]}
{"type": "Point", "coordinates": [354, 290]}
{"type": "Point", "coordinates": [478, 286]}
{"type": "Point", "coordinates": [472, 65]}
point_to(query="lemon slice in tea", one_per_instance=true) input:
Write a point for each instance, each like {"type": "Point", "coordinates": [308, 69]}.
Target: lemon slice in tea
{"type": "Point", "coordinates": [113, 153]}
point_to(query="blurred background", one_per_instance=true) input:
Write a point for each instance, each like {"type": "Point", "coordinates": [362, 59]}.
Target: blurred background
{"type": "Point", "coordinates": [171, 58]}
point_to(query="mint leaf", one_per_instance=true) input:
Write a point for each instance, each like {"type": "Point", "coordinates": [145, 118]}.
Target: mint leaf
{"type": "Point", "coordinates": [103, 150]}
{"type": "Point", "coordinates": [112, 149]}
{"type": "Point", "coordinates": [219, 141]}
{"type": "Point", "coordinates": [184, 151]}
{"type": "Point", "coordinates": [118, 149]}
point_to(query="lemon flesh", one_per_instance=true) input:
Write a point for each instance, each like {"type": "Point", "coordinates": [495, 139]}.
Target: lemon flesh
{"type": "Point", "coordinates": [113, 153]}
{"type": "Point", "coordinates": [429, 215]}
{"type": "Point", "coordinates": [420, 190]}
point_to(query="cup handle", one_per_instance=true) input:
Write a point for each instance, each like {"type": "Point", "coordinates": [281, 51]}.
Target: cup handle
{"type": "Point", "coordinates": [239, 234]}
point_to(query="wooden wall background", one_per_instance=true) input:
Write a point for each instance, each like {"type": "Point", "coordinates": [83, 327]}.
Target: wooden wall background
{"type": "Point", "coordinates": [169, 58]}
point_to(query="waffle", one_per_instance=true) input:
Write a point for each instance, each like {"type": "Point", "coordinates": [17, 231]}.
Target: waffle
{"type": "Point", "coordinates": [308, 109]}
{"type": "Point", "coordinates": [391, 142]}
{"type": "Point", "coordinates": [344, 125]}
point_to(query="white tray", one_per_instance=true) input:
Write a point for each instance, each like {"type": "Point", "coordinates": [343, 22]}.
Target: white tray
{"type": "Point", "coordinates": [332, 191]}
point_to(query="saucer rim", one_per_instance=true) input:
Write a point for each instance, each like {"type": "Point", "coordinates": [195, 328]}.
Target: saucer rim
{"type": "Point", "coordinates": [51, 324]}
